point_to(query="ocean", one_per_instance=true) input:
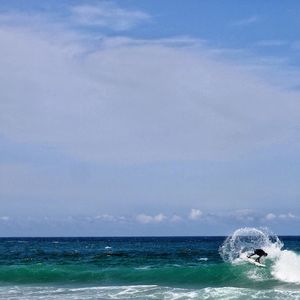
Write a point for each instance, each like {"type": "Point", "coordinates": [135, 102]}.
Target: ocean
{"type": "Point", "coordinates": [150, 267]}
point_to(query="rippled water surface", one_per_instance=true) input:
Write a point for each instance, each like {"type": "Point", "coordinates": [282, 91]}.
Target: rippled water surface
{"type": "Point", "coordinates": [148, 268]}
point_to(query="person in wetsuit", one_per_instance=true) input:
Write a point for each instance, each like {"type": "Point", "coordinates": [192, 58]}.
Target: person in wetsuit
{"type": "Point", "coordinates": [258, 252]}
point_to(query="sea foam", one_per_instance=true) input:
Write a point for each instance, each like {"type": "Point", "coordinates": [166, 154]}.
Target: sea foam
{"type": "Point", "coordinates": [286, 266]}
{"type": "Point", "coordinates": [141, 292]}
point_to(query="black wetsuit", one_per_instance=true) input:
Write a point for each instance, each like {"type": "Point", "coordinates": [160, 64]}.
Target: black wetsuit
{"type": "Point", "coordinates": [260, 253]}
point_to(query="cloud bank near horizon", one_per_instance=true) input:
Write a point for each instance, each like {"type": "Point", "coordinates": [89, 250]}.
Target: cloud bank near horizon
{"type": "Point", "coordinates": [159, 224]}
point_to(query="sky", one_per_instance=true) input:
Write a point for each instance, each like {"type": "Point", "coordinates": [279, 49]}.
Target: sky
{"type": "Point", "coordinates": [134, 117]}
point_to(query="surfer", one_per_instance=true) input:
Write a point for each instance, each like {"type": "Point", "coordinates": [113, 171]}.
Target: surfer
{"type": "Point", "coordinates": [258, 252]}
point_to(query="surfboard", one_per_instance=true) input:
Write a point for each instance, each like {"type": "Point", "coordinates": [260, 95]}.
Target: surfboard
{"type": "Point", "coordinates": [252, 261]}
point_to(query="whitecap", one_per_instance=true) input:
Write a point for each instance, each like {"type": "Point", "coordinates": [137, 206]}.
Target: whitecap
{"type": "Point", "coordinates": [202, 259]}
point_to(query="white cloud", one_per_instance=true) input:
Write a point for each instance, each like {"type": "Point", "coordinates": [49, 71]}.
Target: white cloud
{"type": "Point", "coordinates": [145, 219]}
{"type": "Point", "coordinates": [270, 216]}
{"type": "Point", "coordinates": [110, 218]}
{"type": "Point", "coordinates": [195, 214]}
{"type": "Point", "coordinates": [4, 218]}
{"type": "Point", "coordinates": [283, 216]}
{"type": "Point", "coordinates": [107, 14]}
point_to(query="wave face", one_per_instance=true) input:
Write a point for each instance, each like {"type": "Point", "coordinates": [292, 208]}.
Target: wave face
{"type": "Point", "coordinates": [160, 268]}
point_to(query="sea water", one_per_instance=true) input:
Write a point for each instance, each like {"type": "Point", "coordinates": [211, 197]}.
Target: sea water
{"type": "Point", "coordinates": [150, 267]}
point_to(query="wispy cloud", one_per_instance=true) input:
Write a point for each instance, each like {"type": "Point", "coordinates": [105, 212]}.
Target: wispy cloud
{"type": "Point", "coordinates": [109, 15]}
{"type": "Point", "coordinates": [271, 43]}
{"type": "Point", "coordinates": [246, 21]}
{"type": "Point", "coordinates": [103, 16]}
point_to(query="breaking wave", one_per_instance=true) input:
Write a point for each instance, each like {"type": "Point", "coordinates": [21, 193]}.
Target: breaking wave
{"type": "Point", "coordinates": [284, 265]}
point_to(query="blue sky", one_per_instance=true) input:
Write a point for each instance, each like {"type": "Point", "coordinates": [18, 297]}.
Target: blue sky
{"type": "Point", "coordinates": [149, 117]}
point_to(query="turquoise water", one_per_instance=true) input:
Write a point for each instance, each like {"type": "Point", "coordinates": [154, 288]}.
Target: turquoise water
{"type": "Point", "coordinates": [147, 268]}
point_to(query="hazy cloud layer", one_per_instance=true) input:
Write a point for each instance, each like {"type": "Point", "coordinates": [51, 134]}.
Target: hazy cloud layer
{"type": "Point", "coordinates": [95, 103]}
{"type": "Point", "coordinates": [136, 102]}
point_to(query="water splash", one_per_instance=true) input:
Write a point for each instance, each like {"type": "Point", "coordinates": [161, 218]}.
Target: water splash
{"type": "Point", "coordinates": [284, 264]}
{"type": "Point", "coordinates": [248, 239]}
